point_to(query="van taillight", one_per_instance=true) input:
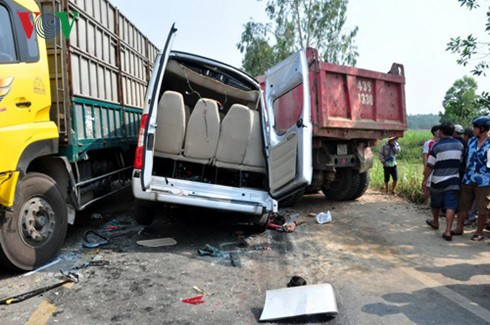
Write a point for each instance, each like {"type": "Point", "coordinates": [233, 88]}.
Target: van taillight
{"type": "Point", "coordinates": [138, 158]}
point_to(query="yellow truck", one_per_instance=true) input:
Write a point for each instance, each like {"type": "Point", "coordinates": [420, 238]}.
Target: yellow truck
{"type": "Point", "coordinates": [73, 76]}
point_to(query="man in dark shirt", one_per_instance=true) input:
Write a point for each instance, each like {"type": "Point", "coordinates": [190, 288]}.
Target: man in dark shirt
{"type": "Point", "coordinates": [443, 163]}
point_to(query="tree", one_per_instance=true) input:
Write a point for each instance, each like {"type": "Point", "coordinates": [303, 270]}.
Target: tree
{"type": "Point", "coordinates": [296, 24]}
{"type": "Point", "coordinates": [460, 103]}
{"type": "Point", "coordinates": [470, 47]}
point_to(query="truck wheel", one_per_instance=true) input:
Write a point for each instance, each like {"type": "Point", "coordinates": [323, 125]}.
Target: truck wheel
{"type": "Point", "coordinates": [145, 213]}
{"type": "Point", "coordinates": [340, 188]}
{"type": "Point", "coordinates": [362, 185]}
{"type": "Point", "coordinates": [292, 199]}
{"type": "Point", "coordinates": [34, 232]}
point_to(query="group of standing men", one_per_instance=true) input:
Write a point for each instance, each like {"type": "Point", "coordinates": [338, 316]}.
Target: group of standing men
{"type": "Point", "coordinates": [456, 174]}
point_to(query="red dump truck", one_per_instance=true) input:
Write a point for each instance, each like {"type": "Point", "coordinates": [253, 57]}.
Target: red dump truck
{"type": "Point", "coordinates": [351, 109]}
{"type": "Point", "coordinates": [212, 136]}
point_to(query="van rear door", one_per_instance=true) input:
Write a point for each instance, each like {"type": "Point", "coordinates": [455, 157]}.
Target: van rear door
{"type": "Point", "coordinates": [152, 97]}
{"type": "Point", "coordinates": [289, 134]}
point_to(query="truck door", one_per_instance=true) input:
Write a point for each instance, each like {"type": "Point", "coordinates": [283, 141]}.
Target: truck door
{"type": "Point", "coordinates": [152, 97]}
{"type": "Point", "coordinates": [289, 133]}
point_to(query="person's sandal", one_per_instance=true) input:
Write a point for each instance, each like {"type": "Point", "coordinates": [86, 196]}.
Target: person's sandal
{"type": "Point", "coordinates": [431, 224]}
{"type": "Point", "coordinates": [448, 238]}
{"type": "Point", "coordinates": [457, 233]}
{"type": "Point", "coordinates": [477, 237]}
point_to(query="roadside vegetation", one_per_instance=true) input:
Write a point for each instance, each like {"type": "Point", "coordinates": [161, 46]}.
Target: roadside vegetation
{"type": "Point", "coordinates": [410, 166]}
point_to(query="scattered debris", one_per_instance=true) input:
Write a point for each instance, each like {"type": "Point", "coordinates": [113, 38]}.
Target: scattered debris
{"type": "Point", "coordinates": [91, 263]}
{"type": "Point", "coordinates": [262, 248]}
{"type": "Point", "coordinates": [67, 278]}
{"type": "Point", "coordinates": [296, 281]}
{"type": "Point", "coordinates": [194, 300]}
{"type": "Point", "coordinates": [235, 259]}
{"type": "Point", "coordinates": [323, 217]}
{"type": "Point", "coordinates": [56, 261]}
{"type": "Point", "coordinates": [96, 216]}
{"type": "Point", "coordinates": [157, 242]}
{"type": "Point", "coordinates": [285, 221]}
{"type": "Point", "coordinates": [89, 242]}
{"type": "Point", "coordinates": [210, 250]}
{"type": "Point", "coordinates": [297, 301]}
{"type": "Point", "coordinates": [312, 214]}
{"type": "Point", "coordinates": [201, 291]}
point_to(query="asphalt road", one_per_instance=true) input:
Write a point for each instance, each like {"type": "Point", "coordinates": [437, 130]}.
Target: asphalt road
{"type": "Point", "coordinates": [385, 265]}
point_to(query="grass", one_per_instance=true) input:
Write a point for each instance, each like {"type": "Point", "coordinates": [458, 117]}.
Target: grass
{"type": "Point", "coordinates": [410, 166]}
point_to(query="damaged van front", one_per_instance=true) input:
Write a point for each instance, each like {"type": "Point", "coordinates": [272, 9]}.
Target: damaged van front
{"type": "Point", "coordinates": [209, 137]}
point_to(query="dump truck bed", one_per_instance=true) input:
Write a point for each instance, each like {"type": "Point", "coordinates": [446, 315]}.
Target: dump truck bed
{"type": "Point", "coordinates": [352, 103]}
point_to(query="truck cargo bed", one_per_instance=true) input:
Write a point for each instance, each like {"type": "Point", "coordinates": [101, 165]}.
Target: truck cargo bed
{"type": "Point", "coordinates": [98, 77]}
{"type": "Point", "coordinates": [354, 103]}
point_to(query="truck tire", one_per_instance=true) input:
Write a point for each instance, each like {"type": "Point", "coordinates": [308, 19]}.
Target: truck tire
{"type": "Point", "coordinates": [341, 187]}
{"type": "Point", "coordinates": [361, 185]}
{"type": "Point", "coordinates": [292, 199]}
{"type": "Point", "coordinates": [33, 233]}
{"type": "Point", "coordinates": [144, 213]}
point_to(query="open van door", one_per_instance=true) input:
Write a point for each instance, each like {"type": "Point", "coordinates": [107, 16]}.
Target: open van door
{"type": "Point", "coordinates": [289, 134]}
{"type": "Point", "coordinates": [152, 97]}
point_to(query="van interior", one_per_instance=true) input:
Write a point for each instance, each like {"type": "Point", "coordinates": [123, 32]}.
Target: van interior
{"type": "Point", "coordinates": [208, 127]}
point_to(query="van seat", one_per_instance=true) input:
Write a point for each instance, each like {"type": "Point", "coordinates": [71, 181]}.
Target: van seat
{"type": "Point", "coordinates": [235, 133]}
{"type": "Point", "coordinates": [203, 129]}
{"type": "Point", "coordinates": [254, 156]}
{"type": "Point", "coordinates": [170, 131]}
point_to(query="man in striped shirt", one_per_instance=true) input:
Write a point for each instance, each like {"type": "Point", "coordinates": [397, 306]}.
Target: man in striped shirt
{"type": "Point", "coordinates": [444, 163]}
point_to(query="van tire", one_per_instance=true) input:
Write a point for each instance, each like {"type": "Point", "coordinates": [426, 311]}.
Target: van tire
{"type": "Point", "coordinates": [34, 231]}
{"type": "Point", "coordinates": [341, 187]}
{"type": "Point", "coordinates": [260, 222]}
{"type": "Point", "coordinates": [144, 213]}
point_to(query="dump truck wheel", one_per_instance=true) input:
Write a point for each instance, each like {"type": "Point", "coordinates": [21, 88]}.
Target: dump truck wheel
{"type": "Point", "coordinates": [33, 233]}
{"type": "Point", "coordinates": [361, 187]}
{"type": "Point", "coordinates": [145, 213]}
{"type": "Point", "coordinates": [341, 187]}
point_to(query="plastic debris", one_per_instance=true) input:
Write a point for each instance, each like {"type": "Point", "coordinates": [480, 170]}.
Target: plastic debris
{"type": "Point", "coordinates": [201, 291]}
{"type": "Point", "coordinates": [235, 259]}
{"type": "Point", "coordinates": [89, 241]}
{"type": "Point", "coordinates": [158, 242]}
{"type": "Point", "coordinates": [210, 250]}
{"type": "Point", "coordinates": [194, 300]}
{"type": "Point", "coordinates": [323, 217]}
{"type": "Point", "coordinates": [56, 261]}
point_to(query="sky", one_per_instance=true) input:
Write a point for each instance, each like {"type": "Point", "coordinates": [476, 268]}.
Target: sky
{"type": "Point", "coordinates": [411, 32]}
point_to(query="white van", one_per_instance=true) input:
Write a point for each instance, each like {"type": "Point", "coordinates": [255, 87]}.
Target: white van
{"type": "Point", "coordinates": [207, 137]}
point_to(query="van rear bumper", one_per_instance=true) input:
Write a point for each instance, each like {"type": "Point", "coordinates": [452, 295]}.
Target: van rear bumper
{"type": "Point", "coordinates": [182, 192]}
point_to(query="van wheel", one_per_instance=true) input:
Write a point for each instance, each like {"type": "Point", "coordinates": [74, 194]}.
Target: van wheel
{"type": "Point", "coordinates": [260, 222]}
{"type": "Point", "coordinates": [144, 213]}
{"type": "Point", "coordinates": [33, 233]}
{"type": "Point", "coordinates": [341, 187]}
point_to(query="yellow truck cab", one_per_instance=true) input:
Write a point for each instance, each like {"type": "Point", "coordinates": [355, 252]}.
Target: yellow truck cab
{"type": "Point", "coordinates": [72, 84]}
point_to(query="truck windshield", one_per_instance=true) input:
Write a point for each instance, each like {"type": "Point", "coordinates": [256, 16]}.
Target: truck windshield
{"type": "Point", "coordinates": [7, 45]}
